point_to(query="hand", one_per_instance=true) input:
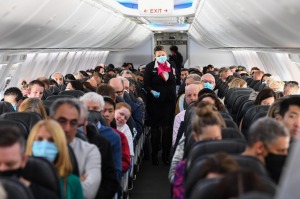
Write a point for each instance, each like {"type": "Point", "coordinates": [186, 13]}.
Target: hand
{"type": "Point", "coordinates": [155, 94]}
{"type": "Point", "coordinates": [83, 177]}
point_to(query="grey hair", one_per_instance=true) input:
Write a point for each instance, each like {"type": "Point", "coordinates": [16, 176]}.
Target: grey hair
{"type": "Point", "coordinates": [57, 103]}
{"type": "Point", "coordinates": [195, 77]}
{"type": "Point", "coordinates": [266, 130]}
{"type": "Point", "coordinates": [84, 110]}
{"type": "Point", "coordinates": [208, 74]}
{"type": "Point", "coordinates": [93, 97]}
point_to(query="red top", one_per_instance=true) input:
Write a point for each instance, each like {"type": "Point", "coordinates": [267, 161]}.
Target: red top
{"type": "Point", "coordinates": [125, 151]}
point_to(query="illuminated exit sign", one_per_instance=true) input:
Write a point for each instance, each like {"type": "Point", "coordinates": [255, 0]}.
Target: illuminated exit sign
{"type": "Point", "coordinates": [155, 7]}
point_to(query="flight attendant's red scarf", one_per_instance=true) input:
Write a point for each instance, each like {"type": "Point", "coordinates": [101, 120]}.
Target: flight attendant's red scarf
{"type": "Point", "coordinates": [163, 70]}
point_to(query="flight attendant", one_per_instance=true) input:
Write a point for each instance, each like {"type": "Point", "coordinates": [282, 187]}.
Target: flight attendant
{"type": "Point", "coordinates": [160, 84]}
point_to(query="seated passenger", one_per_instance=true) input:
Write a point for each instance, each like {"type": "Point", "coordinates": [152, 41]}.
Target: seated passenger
{"type": "Point", "coordinates": [47, 140]}
{"type": "Point", "coordinates": [75, 85]}
{"type": "Point", "coordinates": [33, 105]}
{"type": "Point", "coordinates": [14, 96]}
{"type": "Point", "coordinates": [58, 77]}
{"type": "Point", "coordinates": [35, 89]}
{"type": "Point", "coordinates": [237, 83]}
{"type": "Point", "coordinates": [265, 97]}
{"type": "Point", "coordinates": [13, 159]}
{"type": "Point", "coordinates": [273, 111]}
{"type": "Point", "coordinates": [257, 75]}
{"type": "Point", "coordinates": [268, 141]}
{"type": "Point", "coordinates": [122, 114]}
{"type": "Point", "coordinates": [225, 73]}
{"type": "Point", "coordinates": [291, 88]}
{"type": "Point", "coordinates": [212, 99]}
{"type": "Point", "coordinates": [289, 115]}
{"type": "Point", "coordinates": [66, 112]}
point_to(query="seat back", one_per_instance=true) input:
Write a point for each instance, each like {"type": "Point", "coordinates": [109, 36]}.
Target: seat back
{"type": "Point", "coordinates": [262, 86]}
{"type": "Point", "coordinates": [42, 172]}
{"type": "Point", "coordinates": [54, 90]}
{"type": "Point", "coordinates": [230, 123]}
{"type": "Point", "coordinates": [252, 114]}
{"type": "Point", "coordinates": [243, 109]}
{"type": "Point", "coordinates": [6, 107]}
{"type": "Point", "coordinates": [55, 97]}
{"type": "Point", "coordinates": [231, 134]}
{"type": "Point", "coordinates": [253, 83]}
{"type": "Point", "coordinates": [15, 189]}
{"type": "Point", "coordinates": [20, 125]}
{"type": "Point", "coordinates": [95, 117]}
{"type": "Point", "coordinates": [74, 93]}
{"type": "Point", "coordinates": [28, 118]}
{"type": "Point", "coordinates": [251, 163]}
{"type": "Point", "coordinates": [232, 94]}
{"type": "Point", "coordinates": [237, 104]}
{"type": "Point", "coordinates": [256, 86]}
{"type": "Point", "coordinates": [210, 147]}
{"type": "Point", "coordinates": [204, 189]}
{"type": "Point", "coordinates": [46, 94]}
{"type": "Point", "coordinates": [255, 195]}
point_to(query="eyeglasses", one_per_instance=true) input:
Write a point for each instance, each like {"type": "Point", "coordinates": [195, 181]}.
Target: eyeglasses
{"type": "Point", "coordinates": [119, 92]}
{"type": "Point", "coordinates": [208, 81]}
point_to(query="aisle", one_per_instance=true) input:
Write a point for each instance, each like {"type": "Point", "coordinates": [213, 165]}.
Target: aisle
{"type": "Point", "coordinates": [151, 182]}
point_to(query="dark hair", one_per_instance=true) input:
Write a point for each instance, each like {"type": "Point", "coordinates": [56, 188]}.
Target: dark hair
{"type": "Point", "coordinates": [220, 163]}
{"type": "Point", "coordinates": [290, 101]}
{"type": "Point", "coordinates": [264, 94]}
{"type": "Point", "coordinates": [174, 49]}
{"type": "Point", "coordinates": [69, 77]}
{"type": "Point", "coordinates": [218, 104]}
{"type": "Point", "coordinates": [14, 91]}
{"type": "Point", "coordinates": [106, 90]}
{"type": "Point", "coordinates": [89, 86]}
{"type": "Point", "coordinates": [53, 83]}
{"type": "Point", "coordinates": [97, 68]}
{"type": "Point", "coordinates": [70, 101]}
{"type": "Point", "coordinates": [158, 48]}
{"type": "Point", "coordinates": [184, 69]}
{"type": "Point", "coordinates": [206, 115]}
{"type": "Point", "coordinates": [254, 68]}
{"type": "Point", "coordinates": [77, 85]}
{"type": "Point", "coordinates": [205, 91]}
{"type": "Point", "coordinates": [265, 75]}
{"type": "Point", "coordinates": [9, 135]}
{"type": "Point", "coordinates": [110, 101]}
{"type": "Point", "coordinates": [236, 183]}
{"type": "Point", "coordinates": [36, 82]}
{"type": "Point", "coordinates": [266, 130]}
{"type": "Point", "coordinates": [83, 73]}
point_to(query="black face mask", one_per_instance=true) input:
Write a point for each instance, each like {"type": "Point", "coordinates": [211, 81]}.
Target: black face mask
{"type": "Point", "coordinates": [274, 165]}
{"type": "Point", "coordinates": [12, 173]}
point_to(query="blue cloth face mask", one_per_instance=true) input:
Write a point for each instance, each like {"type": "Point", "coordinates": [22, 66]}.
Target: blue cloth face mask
{"type": "Point", "coordinates": [15, 107]}
{"type": "Point", "coordinates": [208, 85]}
{"type": "Point", "coordinates": [162, 59]}
{"type": "Point", "coordinates": [44, 149]}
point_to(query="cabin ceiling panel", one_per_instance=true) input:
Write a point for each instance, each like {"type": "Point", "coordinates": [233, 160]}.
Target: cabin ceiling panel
{"type": "Point", "coordinates": [65, 24]}
{"type": "Point", "coordinates": [253, 23]}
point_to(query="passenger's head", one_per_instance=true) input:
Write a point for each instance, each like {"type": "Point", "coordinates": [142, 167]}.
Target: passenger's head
{"type": "Point", "coordinates": [213, 100]}
{"type": "Point", "coordinates": [191, 92]}
{"type": "Point", "coordinates": [98, 78]}
{"type": "Point", "coordinates": [265, 97]}
{"type": "Point", "coordinates": [109, 110]}
{"type": "Point", "coordinates": [75, 85]}
{"type": "Point", "coordinates": [191, 78]}
{"type": "Point", "coordinates": [33, 105]}
{"type": "Point", "coordinates": [58, 77]}
{"type": "Point", "coordinates": [265, 77]}
{"type": "Point", "coordinates": [12, 151]}
{"type": "Point", "coordinates": [289, 114]}
{"type": "Point", "coordinates": [232, 68]}
{"type": "Point", "coordinates": [225, 73]}
{"type": "Point", "coordinates": [239, 182]}
{"type": "Point", "coordinates": [209, 81]}
{"type": "Point", "coordinates": [122, 113]}
{"type": "Point", "coordinates": [291, 88]}
{"type": "Point", "coordinates": [47, 140]}
{"type": "Point", "coordinates": [14, 96]}
{"type": "Point", "coordinates": [253, 70]}
{"type": "Point", "coordinates": [257, 75]}
{"type": "Point", "coordinates": [66, 112]}
{"type": "Point", "coordinates": [184, 73]}
{"type": "Point", "coordinates": [237, 83]}
{"type": "Point", "coordinates": [93, 101]}
{"type": "Point", "coordinates": [107, 90]}
{"type": "Point", "coordinates": [218, 165]}
{"type": "Point", "coordinates": [268, 136]}
{"type": "Point", "coordinates": [118, 85]}
{"type": "Point", "coordinates": [36, 89]}
{"type": "Point", "coordinates": [207, 123]}
{"type": "Point", "coordinates": [275, 85]}
{"type": "Point", "coordinates": [273, 111]}
{"type": "Point", "coordinates": [174, 49]}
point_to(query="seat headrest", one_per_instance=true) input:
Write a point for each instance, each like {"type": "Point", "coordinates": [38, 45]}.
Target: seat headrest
{"type": "Point", "coordinates": [74, 93]}
{"type": "Point", "coordinates": [6, 107]}
{"type": "Point", "coordinates": [42, 172]}
{"type": "Point", "coordinates": [251, 163]}
{"type": "Point", "coordinates": [205, 188]}
{"type": "Point", "coordinates": [20, 125]}
{"type": "Point", "coordinates": [15, 189]}
{"type": "Point", "coordinates": [55, 97]}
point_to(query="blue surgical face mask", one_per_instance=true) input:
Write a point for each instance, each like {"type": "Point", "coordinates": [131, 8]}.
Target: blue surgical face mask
{"type": "Point", "coordinates": [162, 59]}
{"type": "Point", "coordinates": [15, 107]}
{"type": "Point", "coordinates": [208, 85]}
{"type": "Point", "coordinates": [44, 149]}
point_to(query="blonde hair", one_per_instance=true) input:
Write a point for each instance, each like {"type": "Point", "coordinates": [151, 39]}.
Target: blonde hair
{"type": "Point", "coordinates": [237, 83]}
{"type": "Point", "coordinates": [123, 104]}
{"type": "Point", "coordinates": [33, 105]}
{"type": "Point", "coordinates": [275, 108]}
{"type": "Point", "coordinates": [62, 163]}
